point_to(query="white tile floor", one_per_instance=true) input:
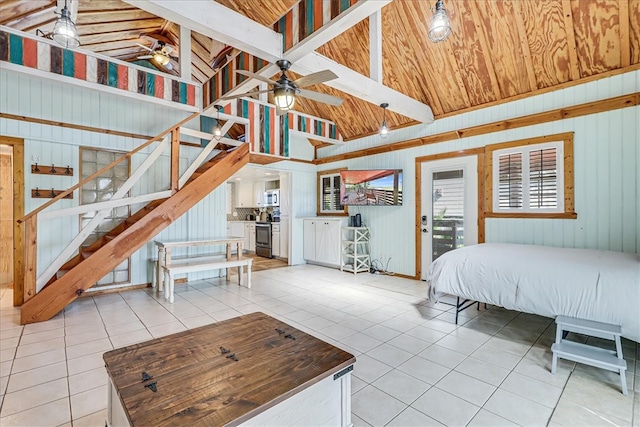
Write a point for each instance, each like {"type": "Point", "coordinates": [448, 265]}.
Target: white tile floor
{"type": "Point", "coordinates": [414, 368]}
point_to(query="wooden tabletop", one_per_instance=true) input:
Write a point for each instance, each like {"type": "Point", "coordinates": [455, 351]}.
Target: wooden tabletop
{"type": "Point", "coordinates": [198, 385]}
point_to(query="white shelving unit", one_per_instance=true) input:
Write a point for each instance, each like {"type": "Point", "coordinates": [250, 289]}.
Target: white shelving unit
{"type": "Point", "coordinates": [355, 255]}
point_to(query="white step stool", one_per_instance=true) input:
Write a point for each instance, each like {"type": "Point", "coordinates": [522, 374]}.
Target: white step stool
{"type": "Point", "coordinates": [588, 354]}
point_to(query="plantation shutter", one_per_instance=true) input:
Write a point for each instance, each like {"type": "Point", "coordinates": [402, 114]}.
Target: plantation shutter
{"type": "Point", "coordinates": [510, 181]}
{"type": "Point", "coordinates": [543, 179]}
{"type": "Point", "coordinates": [330, 193]}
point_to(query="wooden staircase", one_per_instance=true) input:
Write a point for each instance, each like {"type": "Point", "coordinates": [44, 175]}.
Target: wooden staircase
{"type": "Point", "coordinates": [95, 261]}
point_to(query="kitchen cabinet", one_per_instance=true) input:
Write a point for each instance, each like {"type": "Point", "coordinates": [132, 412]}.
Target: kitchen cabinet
{"type": "Point", "coordinates": [250, 236]}
{"type": "Point", "coordinates": [275, 239]}
{"type": "Point", "coordinates": [284, 238]}
{"type": "Point", "coordinates": [244, 194]}
{"type": "Point", "coordinates": [258, 194]}
{"type": "Point", "coordinates": [322, 240]}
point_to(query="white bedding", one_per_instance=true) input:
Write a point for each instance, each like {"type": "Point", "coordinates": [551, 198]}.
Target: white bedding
{"type": "Point", "coordinates": [594, 285]}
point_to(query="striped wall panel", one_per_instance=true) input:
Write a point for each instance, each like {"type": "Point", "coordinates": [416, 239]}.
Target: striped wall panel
{"type": "Point", "coordinates": [41, 55]}
{"type": "Point", "coordinates": [268, 133]}
{"type": "Point", "coordinates": [307, 17]}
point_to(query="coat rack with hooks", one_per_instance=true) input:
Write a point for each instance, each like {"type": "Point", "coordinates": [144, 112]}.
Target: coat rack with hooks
{"type": "Point", "coordinates": [52, 170]}
{"type": "Point", "coordinates": [44, 193]}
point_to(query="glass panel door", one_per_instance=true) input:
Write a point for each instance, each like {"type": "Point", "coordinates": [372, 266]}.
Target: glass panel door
{"type": "Point", "coordinates": [449, 207]}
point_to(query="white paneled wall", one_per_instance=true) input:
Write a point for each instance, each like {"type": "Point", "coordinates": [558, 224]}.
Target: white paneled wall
{"type": "Point", "coordinates": [45, 99]}
{"type": "Point", "coordinates": [607, 177]}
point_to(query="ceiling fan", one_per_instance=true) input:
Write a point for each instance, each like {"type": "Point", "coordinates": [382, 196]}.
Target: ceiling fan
{"type": "Point", "coordinates": [160, 53]}
{"type": "Point", "coordinates": [286, 90]}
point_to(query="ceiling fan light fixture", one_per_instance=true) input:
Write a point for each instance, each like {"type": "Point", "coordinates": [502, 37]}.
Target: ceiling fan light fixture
{"type": "Point", "coordinates": [440, 26]}
{"type": "Point", "coordinates": [384, 130]}
{"type": "Point", "coordinates": [284, 98]}
{"type": "Point", "coordinates": [64, 31]}
{"type": "Point", "coordinates": [161, 59]}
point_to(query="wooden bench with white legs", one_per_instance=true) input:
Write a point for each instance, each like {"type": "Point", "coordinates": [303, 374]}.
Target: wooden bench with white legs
{"type": "Point", "coordinates": [198, 265]}
{"type": "Point", "coordinates": [157, 280]}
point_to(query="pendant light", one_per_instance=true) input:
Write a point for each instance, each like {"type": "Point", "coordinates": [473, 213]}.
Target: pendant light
{"type": "Point", "coordinates": [384, 130]}
{"type": "Point", "coordinates": [64, 30]}
{"type": "Point", "coordinates": [440, 26]}
{"type": "Point", "coordinates": [217, 130]}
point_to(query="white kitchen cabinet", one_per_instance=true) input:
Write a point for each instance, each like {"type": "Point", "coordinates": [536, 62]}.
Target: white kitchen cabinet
{"type": "Point", "coordinates": [275, 239]}
{"type": "Point", "coordinates": [244, 194]}
{"type": "Point", "coordinates": [284, 238]}
{"type": "Point", "coordinates": [258, 194]}
{"type": "Point", "coordinates": [250, 236]}
{"type": "Point", "coordinates": [322, 240]}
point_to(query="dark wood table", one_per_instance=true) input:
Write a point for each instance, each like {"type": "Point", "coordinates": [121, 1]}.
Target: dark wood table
{"type": "Point", "coordinates": [249, 370]}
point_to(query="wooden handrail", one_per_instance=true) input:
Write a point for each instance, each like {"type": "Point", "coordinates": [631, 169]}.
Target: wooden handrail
{"type": "Point", "coordinates": [109, 166]}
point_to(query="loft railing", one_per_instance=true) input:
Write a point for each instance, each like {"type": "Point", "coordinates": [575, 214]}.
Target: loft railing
{"type": "Point", "coordinates": [169, 138]}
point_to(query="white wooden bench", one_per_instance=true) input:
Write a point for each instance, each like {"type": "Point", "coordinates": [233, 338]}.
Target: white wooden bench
{"type": "Point", "coordinates": [588, 354]}
{"type": "Point", "coordinates": [158, 276]}
{"type": "Point", "coordinates": [197, 264]}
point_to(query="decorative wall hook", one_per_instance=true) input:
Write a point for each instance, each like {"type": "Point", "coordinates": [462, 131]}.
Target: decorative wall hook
{"type": "Point", "coordinates": [53, 168]}
{"type": "Point", "coordinates": [37, 169]}
{"type": "Point", "coordinates": [37, 191]}
{"type": "Point", "coordinates": [53, 193]}
{"type": "Point", "coordinates": [67, 171]}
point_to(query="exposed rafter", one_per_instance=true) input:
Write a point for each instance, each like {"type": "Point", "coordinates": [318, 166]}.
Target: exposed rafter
{"type": "Point", "coordinates": [212, 19]}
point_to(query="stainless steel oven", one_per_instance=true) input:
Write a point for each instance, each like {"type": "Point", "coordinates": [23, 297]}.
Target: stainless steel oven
{"type": "Point", "coordinates": [263, 239]}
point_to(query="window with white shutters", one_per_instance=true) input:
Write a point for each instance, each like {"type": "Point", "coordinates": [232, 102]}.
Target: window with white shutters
{"type": "Point", "coordinates": [529, 178]}
{"type": "Point", "coordinates": [329, 196]}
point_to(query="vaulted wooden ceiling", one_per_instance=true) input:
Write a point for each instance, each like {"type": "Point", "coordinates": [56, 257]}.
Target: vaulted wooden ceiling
{"type": "Point", "coordinates": [498, 50]}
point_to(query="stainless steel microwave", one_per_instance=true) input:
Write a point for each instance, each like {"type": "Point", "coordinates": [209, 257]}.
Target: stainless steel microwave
{"type": "Point", "coordinates": [272, 198]}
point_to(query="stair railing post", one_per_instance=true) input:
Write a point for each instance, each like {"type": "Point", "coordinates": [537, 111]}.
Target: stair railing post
{"type": "Point", "coordinates": [30, 257]}
{"type": "Point", "coordinates": [175, 159]}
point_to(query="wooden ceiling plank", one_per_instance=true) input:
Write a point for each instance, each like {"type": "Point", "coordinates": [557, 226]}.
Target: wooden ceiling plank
{"type": "Point", "coordinates": [524, 44]}
{"type": "Point", "coordinates": [106, 16]}
{"type": "Point", "coordinates": [97, 6]}
{"type": "Point", "coordinates": [107, 37]}
{"type": "Point", "coordinates": [28, 19]}
{"type": "Point", "coordinates": [574, 69]}
{"type": "Point", "coordinates": [634, 36]}
{"type": "Point", "coordinates": [44, 26]}
{"type": "Point", "coordinates": [144, 25]}
{"type": "Point", "coordinates": [482, 37]}
{"type": "Point", "coordinates": [10, 12]}
{"type": "Point", "coordinates": [625, 46]}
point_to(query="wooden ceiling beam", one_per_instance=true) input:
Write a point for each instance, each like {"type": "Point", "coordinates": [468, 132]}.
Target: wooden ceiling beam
{"type": "Point", "coordinates": [482, 38]}
{"type": "Point", "coordinates": [524, 44]}
{"type": "Point", "coordinates": [362, 87]}
{"type": "Point", "coordinates": [574, 70]}
{"type": "Point", "coordinates": [375, 46]}
{"type": "Point", "coordinates": [185, 52]}
{"type": "Point", "coordinates": [625, 48]}
{"type": "Point", "coordinates": [220, 23]}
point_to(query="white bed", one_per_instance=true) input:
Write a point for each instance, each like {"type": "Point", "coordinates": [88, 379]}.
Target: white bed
{"type": "Point", "coordinates": [595, 285]}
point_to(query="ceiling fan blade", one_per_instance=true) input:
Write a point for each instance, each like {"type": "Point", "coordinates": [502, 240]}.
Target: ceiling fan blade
{"type": "Point", "coordinates": [145, 47]}
{"type": "Point", "coordinates": [315, 78]}
{"type": "Point", "coordinates": [321, 97]}
{"type": "Point", "coordinates": [145, 57]}
{"type": "Point", "coordinates": [256, 76]}
{"type": "Point", "coordinates": [242, 95]}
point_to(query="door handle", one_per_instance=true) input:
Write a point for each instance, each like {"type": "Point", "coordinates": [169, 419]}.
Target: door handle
{"type": "Point", "coordinates": [424, 230]}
